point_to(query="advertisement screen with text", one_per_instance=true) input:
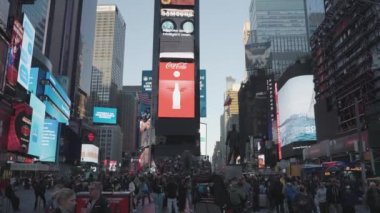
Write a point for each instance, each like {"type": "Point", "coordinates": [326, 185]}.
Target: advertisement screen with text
{"type": "Point", "coordinates": [176, 90]}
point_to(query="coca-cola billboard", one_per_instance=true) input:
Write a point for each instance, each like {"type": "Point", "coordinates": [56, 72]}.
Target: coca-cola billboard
{"type": "Point", "coordinates": [178, 2]}
{"type": "Point", "coordinates": [176, 90]}
{"type": "Point", "coordinates": [19, 129]}
{"type": "Point", "coordinates": [177, 33]}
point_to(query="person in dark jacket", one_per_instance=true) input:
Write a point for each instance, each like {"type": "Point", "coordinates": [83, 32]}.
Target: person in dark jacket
{"type": "Point", "coordinates": [333, 195]}
{"type": "Point", "coordinates": [11, 195]}
{"type": "Point", "coordinates": [303, 202]}
{"type": "Point", "coordinates": [373, 198]}
{"type": "Point", "coordinates": [276, 194]}
{"type": "Point", "coordinates": [97, 203]}
{"type": "Point", "coordinates": [39, 192]}
{"type": "Point", "coordinates": [349, 200]}
{"type": "Point", "coordinates": [172, 194]}
{"type": "Point", "coordinates": [220, 192]}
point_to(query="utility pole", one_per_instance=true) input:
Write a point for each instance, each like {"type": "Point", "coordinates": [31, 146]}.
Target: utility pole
{"type": "Point", "coordinates": [360, 145]}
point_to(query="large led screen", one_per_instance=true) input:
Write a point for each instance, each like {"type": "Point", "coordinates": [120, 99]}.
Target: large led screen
{"type": "Point", "coordinates": [38, 120]}
{"type": "Point", "coordinates": [26, 53]}
{"type": "Point", "coordinates": [89, 153]}
{"type": "Point", "coordinates": [202, 93]}
{"type": "Point", "coordinates": [14, 54]}
{"type": "Point", "coordinates": [176, 90]}
{"type": "Point", "coordinates": [49, 141]}
{"type": "Point", "coordinates": [177, 29]}
{"type": "Point", "coordinates": [296, 110]}
{"type": "Point", "coordinates": [19, 129]}
{"type": "Point", "coordinates": [178, 2]}
{"type": "Point", "coordinates": [105, 115]}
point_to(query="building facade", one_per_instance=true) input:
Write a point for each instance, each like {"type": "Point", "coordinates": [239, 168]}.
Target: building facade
{"type": "Point", "coordinates": [345, 49]}
{"type": "Point", "coordinates": [130, 112]}
{"type": "Point", "coordinates": [38, 14]}
{"type": "Point", "coordinates": [283, 24]}
{"type": "Point", "coordinates": [110, 144]}
{"type": "Point", "coordinates": [108, 57]}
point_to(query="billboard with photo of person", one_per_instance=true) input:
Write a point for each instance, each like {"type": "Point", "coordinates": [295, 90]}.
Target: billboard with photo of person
{"type": "Point", "coordinates": [14, 52]}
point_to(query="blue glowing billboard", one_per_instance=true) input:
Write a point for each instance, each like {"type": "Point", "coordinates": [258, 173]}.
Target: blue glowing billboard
{"type": "Point", "coordinates": [49, 141]}
{"type": "Point", "coordinates": [38, 119]}
{"type": "Point", "coordinates": [105, 115]}
{"type": "Point", "coordinates": [202, 93]}
{"type": "Point", "coordinates": [296, 110]}
{"type": "Point", "coordinates": [26, 53]}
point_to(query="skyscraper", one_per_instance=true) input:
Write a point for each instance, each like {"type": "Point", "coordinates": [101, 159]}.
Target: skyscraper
{"type": "Point", "coordinates": [108, 58]}
{"type": "Point", "coordinates": [283, 24]}
{"type": "Point", "coordinates": [315, 13]}
{"type": "Point", "coordinates": [38, 13]}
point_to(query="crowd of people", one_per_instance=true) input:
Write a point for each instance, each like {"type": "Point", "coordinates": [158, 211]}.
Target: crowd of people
{"type": "Point", "coordinates": [179, 186]}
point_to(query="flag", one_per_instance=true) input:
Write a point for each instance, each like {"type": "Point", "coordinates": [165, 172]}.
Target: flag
{"type": "Point", "coordinates": [144, 98]}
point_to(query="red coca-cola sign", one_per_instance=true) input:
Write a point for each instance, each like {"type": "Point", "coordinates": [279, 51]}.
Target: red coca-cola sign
{"type": "Point", "coordinates": [176, 90]}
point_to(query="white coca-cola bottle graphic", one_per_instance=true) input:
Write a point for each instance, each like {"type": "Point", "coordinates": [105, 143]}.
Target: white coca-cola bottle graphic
{"type": "Point", "coordinates": [176, 97]}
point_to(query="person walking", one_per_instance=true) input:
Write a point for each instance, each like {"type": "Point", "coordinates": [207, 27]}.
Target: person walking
{"type": "Point", "coordinates": [39, 192]}
{"type": "Point", "coordinates": [158, 195]}
{"type": "Point", "coordinates": [172, 194]}
{"type": "Point", "coordinates": [97, 203]}
{"type": "Point", "coordinates": [373, 198]}
{"type": "Point", "coordinates": [333, 196]}
{"type": "Point", "coordinates": [320, 197]}
{"type": "Point", "coordinates": [65, 199]}
{"type": "Point", "coordinates": [237, 196]}
{"type": "Point", "coordinates": [349, 200]}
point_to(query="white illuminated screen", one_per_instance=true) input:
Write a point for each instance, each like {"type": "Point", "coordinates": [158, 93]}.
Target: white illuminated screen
{"type": "Point", "coordinates": [296, 110]}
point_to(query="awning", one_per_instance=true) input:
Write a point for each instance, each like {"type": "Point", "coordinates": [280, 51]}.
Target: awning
{"type": "Point", "coordinates": [33, 167]}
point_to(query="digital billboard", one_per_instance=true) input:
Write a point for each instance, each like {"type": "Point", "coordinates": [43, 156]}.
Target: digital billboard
{"type": "Point", "coordinates": [26, 53]}
{"type": "Point", "coordinates": [145, 97]}
{"type": "Point", "coordinates": [258, 56]}
{"type": "Point", "coordinates": [89, 153]}
{"type": "Point", "coordinates": [49, 141]}
{"type": "Point", "coordinates": [3, 61]}
{"type": "Point", "coordinates": [261, 161]}
{"type": "Point", "coordinates": [178, 2]}
{"type": "Point", "coordinates": [177, 29]}
{"type": "Point", "coordinates": [38, 120]}
{"type": "Point", "coordinates": [296, 110]}
{"type": "Point", "coordinates": [105, 115]}
{"type": "Point", "coordinates": [202, 93]}
{"type": "Point", "coordinates": [19, 129]}
{"type": "Point", "coordinates": [176, 90]}
{"type": "Point", "coordinates": [14, 54]}
{"type": "Point", "coordinates": [203, 138]}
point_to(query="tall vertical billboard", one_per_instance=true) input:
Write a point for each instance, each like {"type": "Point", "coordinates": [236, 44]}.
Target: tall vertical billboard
{"type": "Point", "coordinates": [202, 93]}
{"type": "Point", "coordinates": [14, 52]}
{"type": "Point", "coordinates": [176, 90]}
{"type": "Point", "coordinates": [176, 72]}
{"type": "Point", "coordinates": [296, 110]}
{"type": "Point", "coordinates": [145, 96]}
{"type": "Point", "coordinates": [26, 53]}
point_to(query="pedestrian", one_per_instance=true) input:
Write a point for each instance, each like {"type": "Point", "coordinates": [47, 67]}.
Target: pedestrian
{"type": "Point", "coordinates": [321, 198]}
{"type": "Point", "coordinates": [97, 203]}
{"type": "Point", "coordinates": [349, 200]}
{"type": "Point", "coordinates": [237, 196]}
{"type": "Point", "coordinates": [290, 193]}
{"type": "Point", "coordinates": [65, 199]}
{"type": "Point", "coordinates": [158, 195]}
{"type": "Point", "coordinates": [172, 194]}
{"type": "Point", "coordinates": [11, 195]}
{"type": "Point", "coordinates": [39, 192]}
{"type": "Point", "coordinates": [373, 198]}
{"type": "Point", "coordinates": [303, 202]}
{"type": "Point", "coordinates": [333, 196]}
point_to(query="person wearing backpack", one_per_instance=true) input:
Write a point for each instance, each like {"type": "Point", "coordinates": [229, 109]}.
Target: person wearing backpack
{"type": "Point", "coordinates": [373, 198]}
